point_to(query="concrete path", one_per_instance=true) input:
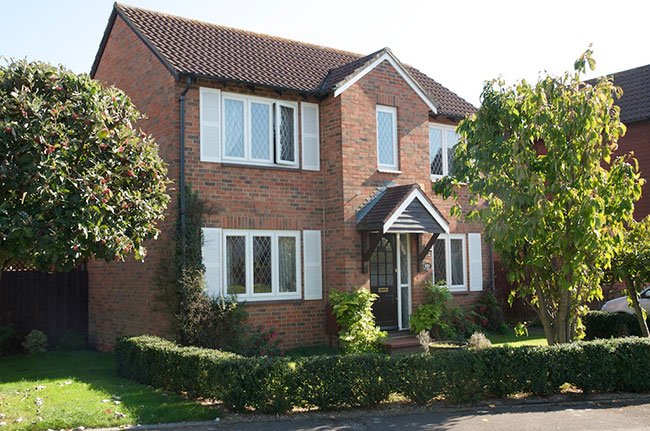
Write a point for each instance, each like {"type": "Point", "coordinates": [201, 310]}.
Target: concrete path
{"type": "Point", "coordinates": [605, 415]}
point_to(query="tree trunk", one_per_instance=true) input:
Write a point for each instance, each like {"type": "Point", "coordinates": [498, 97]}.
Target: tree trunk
{"type": "Point", "coordinates": [633, 294]}
{"type": "Point", "coordinates": [545, 317]}
{"type": "Point", "coordinates": [562, 319]}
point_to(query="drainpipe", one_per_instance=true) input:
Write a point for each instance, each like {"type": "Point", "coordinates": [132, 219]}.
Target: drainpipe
{"type": "Point", "coordinates": [492, 275]}
{"type": "Point", "coordinates": [181, 182]}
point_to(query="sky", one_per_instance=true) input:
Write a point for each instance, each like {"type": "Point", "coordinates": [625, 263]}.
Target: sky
{"type": "Point", "coordinates": [460, 44]}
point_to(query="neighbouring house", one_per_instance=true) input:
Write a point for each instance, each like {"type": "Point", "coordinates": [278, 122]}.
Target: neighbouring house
{"type": "Point", "coordinates": [635, 114]}
{"type": "Point", "coordinates": [317, 164]}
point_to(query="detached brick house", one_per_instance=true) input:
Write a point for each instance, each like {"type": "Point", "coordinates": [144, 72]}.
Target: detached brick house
{"type": "Point", "coordinates": [635, 114]}
{"type": "Point", "coordinates": [318, 166]}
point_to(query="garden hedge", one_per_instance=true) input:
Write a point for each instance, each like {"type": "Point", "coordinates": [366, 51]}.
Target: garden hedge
{"type": "Point", "coordinates": [278, 384]}
{"type": "Point", "coordinates": [601, 324]}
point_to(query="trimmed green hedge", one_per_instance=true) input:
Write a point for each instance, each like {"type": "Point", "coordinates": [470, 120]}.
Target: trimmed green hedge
{"type": "Point", "coordinates": [278, 384]}
{"type": "Point", "coordinates": [601, 324]}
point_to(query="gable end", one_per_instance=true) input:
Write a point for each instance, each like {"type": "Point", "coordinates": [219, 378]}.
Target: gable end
{"type": "Point", "coordinates": [109, 27]}
{"type": "Point", "coordinates": [390, 58]}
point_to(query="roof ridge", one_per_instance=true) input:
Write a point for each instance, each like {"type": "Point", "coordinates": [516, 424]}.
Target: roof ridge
{"type": "Point", "coordinates": [239, 30]}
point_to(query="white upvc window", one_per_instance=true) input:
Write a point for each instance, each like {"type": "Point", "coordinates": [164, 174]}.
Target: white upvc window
{"type": "Point", "coordinates": [259, 131]}
{"type": "Point", "coordinates": [286, 133]}
{"type": "Point", "coordinates": [449, 261]}
{"type": "Point", "coordinates": [261, 265]}
{"type": "Point", "coordinates": [387, 155]}
{"type": "Point", "coordinates": [442, 143]}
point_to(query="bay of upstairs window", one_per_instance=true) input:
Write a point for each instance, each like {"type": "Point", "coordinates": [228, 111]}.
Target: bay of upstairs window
{"type": "Point", "coordinates": [248, 132]}
{"type": "Point", "coordinates": [442, 143]}
{"type": "Point", "coordinates": [252, 130]}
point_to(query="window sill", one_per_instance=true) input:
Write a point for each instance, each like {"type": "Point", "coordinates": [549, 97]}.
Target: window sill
{"type": "Point", "coordinates": [389, 171]}
{"type": "Point", "coordinates": [465, 292]}
{"type": "Point", "coordinates": [270, 301]}
{"type": "Point", "coordinates": [435, 178]}
{"type": "Point", "coordinates": [273, 167]}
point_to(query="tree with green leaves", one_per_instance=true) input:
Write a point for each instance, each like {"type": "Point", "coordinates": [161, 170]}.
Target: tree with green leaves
{"type": "Point", "coordinates": [78, 180]}
{"type": "Point", "coordinates": [538, 163]}
{"type": "Point", "coordinates": [631, 265]}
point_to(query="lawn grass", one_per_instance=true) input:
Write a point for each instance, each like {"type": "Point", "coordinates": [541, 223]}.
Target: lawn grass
{"type": "Point", "coordinates": [63, 390]}
{"type": "Point", "coordinates": [535, 337]}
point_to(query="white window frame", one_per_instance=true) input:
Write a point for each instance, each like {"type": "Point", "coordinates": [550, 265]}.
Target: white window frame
{"type": "Point", "coordinates": [269, 103]}
{"type": "Point", "coordinates": [274, 131]}
{"type": "Point", "coordinates": [400, 299]}
{"type": "Point", "coordinates": [235, 97]}
{"type": "Point", "coordinates": [447, 238]}
{"type": "Point", "coordinates": [393, 111]}
{"type": "Point", "coordinates": [278, 149]}
{"type": "Point", "coordinates": [275, 294]}
{"type": "Point", "coordinates": [445, 162]}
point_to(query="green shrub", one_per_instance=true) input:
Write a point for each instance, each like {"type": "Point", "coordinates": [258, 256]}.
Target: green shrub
{"type": "Point", "coordinates": [35, 342]}
{"type": "Point", "coordinates": [204, 321]}
{"type": "Point", "coordinates": [73, 341]}
{"type": "Point", "coordinates": [9, 342]}
{"type": "Point", "coordinates": [440, 316]}
{"type": "Point", "coordinates": [420, 376]}
{"type": "Point", "coordinates": [601, 324]}
{"type": "Point", "coordinates": [487, 313]}
{"type": "Point", "coordinates": [360, 380]}
{"type": "Point", "coordinates": [353, 312]}
{"type": "Point", "coordinates": [277, 384]}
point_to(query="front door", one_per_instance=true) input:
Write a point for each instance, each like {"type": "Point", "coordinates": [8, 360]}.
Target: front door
{"type": "Point", "coordinates": [383, 282]}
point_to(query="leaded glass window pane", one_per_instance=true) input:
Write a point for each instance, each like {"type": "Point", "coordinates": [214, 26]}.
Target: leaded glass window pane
{"type": "Point", "coordinates": [439, 262]}
{"type": "Point", "coordinates": [262, 264]}
{"type": "Point", "coordinates": [452, 140]}
{"type": "Point", "coordinates": [403, 259]}
{"type": "Point", "coordinates": [385, 139]}
{"type": "Point", "coordinates": [405, 306]}
{"type": "Point", "coordinates": [287, 134]}
{"type": "Point", "coordinates": [435, 151]}
{"type": "Point", "coordinates": [456, 246]}
{"type": "Point", "coordinates": [235, 265]}
{"type": "Point", "coordinates": [234, 127]}
{"type": "Point", "coordinates": [260, 131]}
{"type": "Point", "coordinates": [287, 263]}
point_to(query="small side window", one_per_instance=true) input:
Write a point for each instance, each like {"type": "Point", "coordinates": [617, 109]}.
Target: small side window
{"type": "Point", "coordinates": [387, 138]}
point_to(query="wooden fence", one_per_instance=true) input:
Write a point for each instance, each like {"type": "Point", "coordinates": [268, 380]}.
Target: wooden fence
{"type": "Point", "coordinates": [55, 303]}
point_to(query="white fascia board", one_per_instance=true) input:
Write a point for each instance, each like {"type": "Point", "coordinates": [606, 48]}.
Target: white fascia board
{"type": "Point", "coordinates": [387, 56]}
{"type": "Point", "coordinates": [417, 194]}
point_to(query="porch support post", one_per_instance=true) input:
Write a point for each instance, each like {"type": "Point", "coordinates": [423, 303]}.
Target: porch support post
{"type": "Point", "coordinates": [422, 252]}
{"type": "Point", "coordinates": [369, 242]}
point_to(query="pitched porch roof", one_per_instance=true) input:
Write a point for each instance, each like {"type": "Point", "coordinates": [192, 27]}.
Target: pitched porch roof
{"type": "Point", "coordinates": [402, 209]}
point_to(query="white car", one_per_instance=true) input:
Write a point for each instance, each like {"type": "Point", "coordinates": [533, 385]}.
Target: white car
{"type": "Point", "coordinates": [619, 305]}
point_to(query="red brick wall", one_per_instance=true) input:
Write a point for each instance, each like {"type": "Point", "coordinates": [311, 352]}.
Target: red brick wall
{"type": "Point", "coordinates": [637, 139]}
{"type": "Point", "coordinates": [246, 197]}
{"type": "Point", "coordinates": [361, 177]}
{"type": "Point", "coordinates": [122, 296]}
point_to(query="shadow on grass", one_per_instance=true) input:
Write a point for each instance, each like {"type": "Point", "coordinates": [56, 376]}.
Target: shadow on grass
{"type": "Point", "coordinates": [95, 372]}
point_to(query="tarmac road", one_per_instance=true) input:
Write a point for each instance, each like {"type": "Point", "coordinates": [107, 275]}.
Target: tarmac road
{"type": "Point", "coordinates": [609, 415]}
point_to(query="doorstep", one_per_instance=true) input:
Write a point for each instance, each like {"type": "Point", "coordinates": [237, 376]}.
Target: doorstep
{"type": "Point", "coordinates": [401, 342]}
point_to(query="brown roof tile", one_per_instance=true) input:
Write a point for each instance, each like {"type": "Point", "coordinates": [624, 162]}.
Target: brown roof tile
{"type": "Point", "coordinates": [635, 102]}
{"type": "Point", "coordinates": [188, 46]}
